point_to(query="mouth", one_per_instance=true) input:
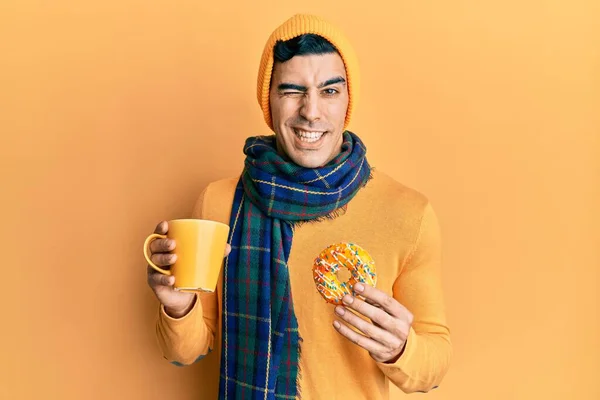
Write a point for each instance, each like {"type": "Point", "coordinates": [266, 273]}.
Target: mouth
{"type": "Point", "coordinates": [312, 138]}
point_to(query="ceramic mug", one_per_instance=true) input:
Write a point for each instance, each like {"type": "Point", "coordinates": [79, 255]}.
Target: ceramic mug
{"type": "Point", "coordinates": [200, 248]}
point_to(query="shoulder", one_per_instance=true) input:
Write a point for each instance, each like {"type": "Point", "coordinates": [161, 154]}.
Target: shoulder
{"type": "Point", "coordinates": [383, 189]}
{"type": "Point", "coordinates": [222, 187]}
{"type": "Point", "coordinates": [387, 202]}
{"type": "Point", "coordinates": [215, 200]}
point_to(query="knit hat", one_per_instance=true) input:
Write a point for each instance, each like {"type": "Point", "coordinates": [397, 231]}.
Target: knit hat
{"type": "Point", "coordinates": [298, 25]}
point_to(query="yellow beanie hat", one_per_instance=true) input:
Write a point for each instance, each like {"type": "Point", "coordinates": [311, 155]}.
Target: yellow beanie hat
{"type": "Point", "coordinates": [301, 24]}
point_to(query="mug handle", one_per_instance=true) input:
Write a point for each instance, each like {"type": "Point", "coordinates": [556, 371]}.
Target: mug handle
{"type": "Point", "coordinates": [149, 240]}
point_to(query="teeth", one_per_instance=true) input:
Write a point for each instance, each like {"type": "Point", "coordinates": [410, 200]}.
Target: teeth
{"type": "Point", "coordinates": [307, 136]}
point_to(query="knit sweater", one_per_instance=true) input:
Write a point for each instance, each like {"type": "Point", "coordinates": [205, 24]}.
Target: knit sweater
{"type": "Point", "coordinates": [399, 228]}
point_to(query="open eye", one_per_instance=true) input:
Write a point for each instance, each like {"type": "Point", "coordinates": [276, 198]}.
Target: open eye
{"type": "Point", "coordinates": [330, 91]}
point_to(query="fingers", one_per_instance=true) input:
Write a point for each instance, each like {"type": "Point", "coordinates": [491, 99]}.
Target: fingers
{"type": "Point", "coordinates": [162, 245]}
{"type": "Point", "coordinates": [163, 259]}
{"type": "Point", "coordinates": [366, 343]}
{"type": "Point", "coordinates": [157, 279]}
{"type": "Point", "coordinates": [398, 324]}
{"type": "Point", "coordinates": [162, 228]}
{"type": "Point", "coordinates": [386, 336]}
{"type": "Point", "coordinates": [385, 301]}
{"type": "Point", "coordinates": [370, 311]}
{"type": "Point", "coordinates": [159, 248]}
{"type": "Point", "coordinates": [227, 249]}
{"type": "Point", "coordinates": [374, 332]}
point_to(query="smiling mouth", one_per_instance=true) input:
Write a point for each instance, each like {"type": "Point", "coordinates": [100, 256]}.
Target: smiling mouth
{"type": "Point", "coordinates": [308, 136]}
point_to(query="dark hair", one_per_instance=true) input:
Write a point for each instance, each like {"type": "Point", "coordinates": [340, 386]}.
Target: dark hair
{"type": "Point", "coordinates": [306, 44]}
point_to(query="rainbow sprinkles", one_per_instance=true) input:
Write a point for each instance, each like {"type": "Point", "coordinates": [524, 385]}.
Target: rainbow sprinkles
{"type": "Point", "coordinates": [331, 260]}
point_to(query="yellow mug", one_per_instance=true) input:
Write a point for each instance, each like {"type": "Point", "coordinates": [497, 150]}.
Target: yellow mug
{"type": "Point", "coordinates": [200, 249]}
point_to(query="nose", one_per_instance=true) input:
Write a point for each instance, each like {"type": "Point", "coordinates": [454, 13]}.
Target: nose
{"type": "Point", "coordinates": [310, 109]}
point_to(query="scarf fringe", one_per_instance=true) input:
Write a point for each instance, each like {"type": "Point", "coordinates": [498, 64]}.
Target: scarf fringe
{"type": "Point", "coordinates": [332, 215]}
{"type": "Point", "coordinates": [299, 376]}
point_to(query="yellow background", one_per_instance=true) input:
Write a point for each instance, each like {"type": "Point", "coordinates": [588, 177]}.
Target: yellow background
{"type": "Point", "coordinates": [115, 114]}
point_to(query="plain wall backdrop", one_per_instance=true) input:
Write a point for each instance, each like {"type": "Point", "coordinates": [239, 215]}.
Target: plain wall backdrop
{"type": "Point", "coordinates": [114, 115]}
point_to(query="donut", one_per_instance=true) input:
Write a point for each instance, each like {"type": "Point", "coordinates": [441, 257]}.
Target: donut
{"type": "Point", "coordinates": [342, 255]}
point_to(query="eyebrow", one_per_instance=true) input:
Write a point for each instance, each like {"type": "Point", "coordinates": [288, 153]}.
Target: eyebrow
{"type": "Point", "coordinates": [332, 81]}
{"type": "Point", "coordinates": [301, 88]}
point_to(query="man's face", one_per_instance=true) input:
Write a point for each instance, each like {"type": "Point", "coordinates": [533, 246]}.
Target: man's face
{"type": "Point", "coordinates": [309, 100]}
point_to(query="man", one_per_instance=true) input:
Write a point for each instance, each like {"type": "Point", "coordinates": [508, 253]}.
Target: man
{"type": "Point", "coordinates": [304, 188]}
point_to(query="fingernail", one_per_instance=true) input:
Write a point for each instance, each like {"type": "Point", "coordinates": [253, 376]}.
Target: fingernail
{"type": "Point", "coordinates": [336, 324]}
{"type": "Point", "coordinates": [359, 287]}
{"type": "Point", "coordinates": [348, 299]}
{"type": "Point", "coordinates": [340, 310]}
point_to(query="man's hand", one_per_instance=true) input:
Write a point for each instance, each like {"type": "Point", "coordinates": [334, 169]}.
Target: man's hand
{"type": "Point", "coordinates": [385, 338]}
{"type": "Point", "coordinates": [177, 304]}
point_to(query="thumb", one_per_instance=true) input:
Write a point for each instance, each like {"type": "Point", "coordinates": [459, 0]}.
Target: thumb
{"type": "Point", "coordinates": [227, 249]}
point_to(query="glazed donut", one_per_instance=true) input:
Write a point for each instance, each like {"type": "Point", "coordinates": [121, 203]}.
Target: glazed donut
{"type": "Point", "coordinates": [342, 255]}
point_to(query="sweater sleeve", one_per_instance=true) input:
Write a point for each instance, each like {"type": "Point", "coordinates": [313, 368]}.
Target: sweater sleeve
{"type": "Point", "coordinates": [188, 339]}
{"type": "Point", "coordinates": [428, 350]}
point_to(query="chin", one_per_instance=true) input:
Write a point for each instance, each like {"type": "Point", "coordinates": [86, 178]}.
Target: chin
{"type": "Point", "coordinates": [309, 164]}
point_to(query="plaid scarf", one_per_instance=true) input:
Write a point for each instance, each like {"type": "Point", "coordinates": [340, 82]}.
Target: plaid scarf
{"type": "Point", "coordinates": [261, 343]}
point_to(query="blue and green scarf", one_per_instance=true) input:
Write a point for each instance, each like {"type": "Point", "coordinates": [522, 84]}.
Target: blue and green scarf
{"type": "Point", "coordinates": [260, 342]}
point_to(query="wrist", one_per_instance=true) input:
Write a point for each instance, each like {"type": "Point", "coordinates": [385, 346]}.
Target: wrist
{"type": "Point", "coordinates": [177, 312]}
{"type": "Point", "coordinates": [397, 357]}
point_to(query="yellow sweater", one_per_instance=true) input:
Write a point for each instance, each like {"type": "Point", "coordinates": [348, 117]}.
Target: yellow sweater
{"type": "Point", "coordinates": [399, 228]}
